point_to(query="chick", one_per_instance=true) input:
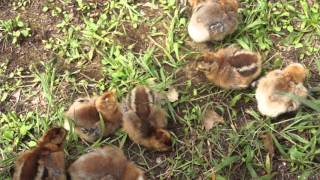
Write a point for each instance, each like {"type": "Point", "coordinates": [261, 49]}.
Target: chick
{"type": "Point", "coordinates": [107, 163]}
{"type": "Point", "coordinates": [269, 94]}
{"type": "Point", "coordinates": [85, 112]}
{"type": "Point", "coordinates": [229, 68]}
{"type": "Point", "coordinates": [144, 121]}
{"type": "Point", "coordinates": [46, 161]}
{"type": "Point", "coordinates": [212, 20]}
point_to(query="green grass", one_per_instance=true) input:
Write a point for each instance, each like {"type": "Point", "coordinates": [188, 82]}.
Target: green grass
{"type": "Point", "coordinates": [101, 45]}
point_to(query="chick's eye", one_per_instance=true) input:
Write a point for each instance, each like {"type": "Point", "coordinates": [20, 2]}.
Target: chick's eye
{"type": "Point", "coordinates": [216, 27]}
{"type": "Point", "coordinates": [84, 130]}
{"type": "Point", "coordinates": [82, 100]}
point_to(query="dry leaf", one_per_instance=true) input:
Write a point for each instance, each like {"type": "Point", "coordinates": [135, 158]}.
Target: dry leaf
{"type": "Point", "coordinates": [158, 160]}
{"type": "Point", "coordinates": [150, 5]}
{"type": "Point", "coordinates": [200, 178]}
{"type": "Point", "coordinates": [172, 95]}
{"type": "Point", "coordinates": [16, 96]}
{"type": "Point", "coordinates": [213, 175]}
{"type": "Point", "coordinates": [268, 143]}
{"type": "Point", "coordinates": [211, 119]}
{"type": "Point", "coordinates": [39, 100]}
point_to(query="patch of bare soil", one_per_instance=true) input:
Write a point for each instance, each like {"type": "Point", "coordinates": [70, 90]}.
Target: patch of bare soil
{"type": "Point", "coordinates": [27, 51]}
{"type": "Point", "coordinates": [148, 9]}
{"type": "Point", "coordinates": [31, 49]}
{"type": "Point", "coordinates": [135, 38]}
{"type": "Point", "coordinates": [149, 33]}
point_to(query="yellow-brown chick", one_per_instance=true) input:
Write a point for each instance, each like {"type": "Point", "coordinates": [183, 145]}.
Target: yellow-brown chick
{"type": "Point", "coordinates": [46, 161]}
{"type": "Point", "coordinates": [145, 121]}
{"type": "Point", "coordinates": [86, 113]}
{"type": "Point", "coordinates": [229, 68]}
{"type": "Point", "coordinates": [212, 20]}
{"type": "Point", "coordinates": [269, 94]}
{"type": "Point", "coordinates": [107, 163]}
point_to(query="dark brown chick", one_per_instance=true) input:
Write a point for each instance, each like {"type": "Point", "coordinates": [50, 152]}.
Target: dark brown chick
{"type": "Point", "coordinates": [107, 163]}
{"type": "Point", "coordinates": [229, 68]}
{"type": "Point", "coordinates": [46, 161]}
{"type": "Point", "coordinates": [212, 20]}
{"type": "Point", "coordinates": [145, 121]}
{"type": "Point", "coordinates": [289, 80]}
{"type": "Point", "coordinates": [86, 113]}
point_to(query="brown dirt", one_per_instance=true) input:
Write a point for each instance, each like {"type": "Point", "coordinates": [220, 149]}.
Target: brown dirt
{"type": "Point", "coordinates": [31, 49]}
{"type": "Point", "coordinates": [136, 38]}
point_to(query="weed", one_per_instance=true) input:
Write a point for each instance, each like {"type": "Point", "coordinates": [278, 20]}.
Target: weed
{"type": "Point", "coordinates": [14, 30]}
{"type": "Point", "coordinates": [10, 82]}
{"type": "Point", "coordinates": [21, 4]}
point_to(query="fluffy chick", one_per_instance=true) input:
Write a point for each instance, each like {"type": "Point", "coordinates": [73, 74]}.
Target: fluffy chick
{"type": "Point", "coordinates": [85, 112]}
{"type": "Point", "coordinates": [46, 161]}
{"type": "Point", "coordinates": [269, 94]}
{"type": "Point", "coordinates": [145, 121]}
{"type": "Point", "coordinates": [229, 68]}
{"type": "Point", "coordinates": [212, 20]}
{"type": "Point", "coordinates": [107, 163]}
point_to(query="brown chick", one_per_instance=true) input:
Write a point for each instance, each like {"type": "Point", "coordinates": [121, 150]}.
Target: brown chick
{"type": "Point", "coordinates": [86, 113]}
{"type": "Point", "coordinates": [144, 121]}
{"type": "Point", "coordinates": [269, 94]}
{"type": "Point", "coordinates": [107, 163]}
{"type": "Point", "coordinates": [229, 68]}
{"type": "Point", "coordinates": [212, 20]}
{"type": "Point", "coordinates": [46, 161]}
